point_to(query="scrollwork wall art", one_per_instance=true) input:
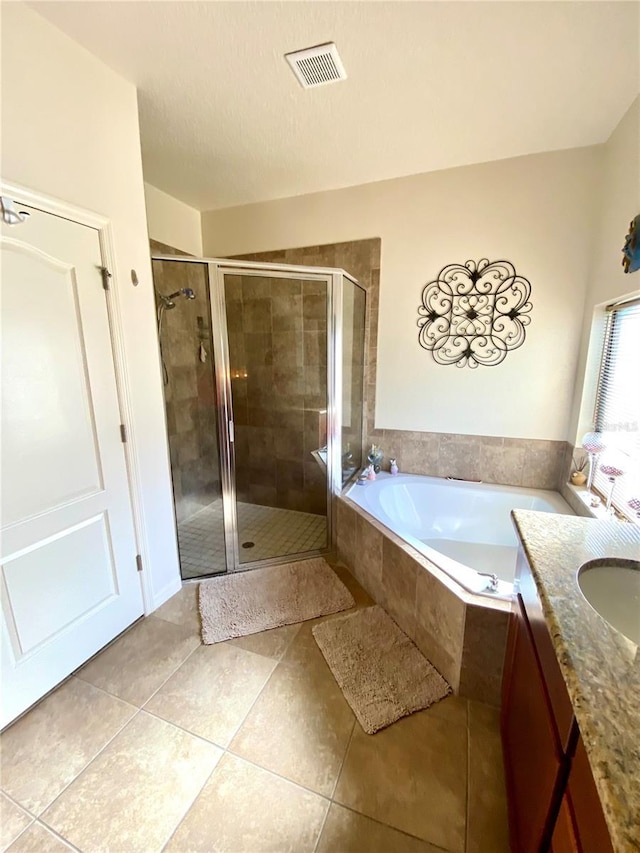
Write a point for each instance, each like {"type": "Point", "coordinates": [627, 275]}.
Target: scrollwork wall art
{"type": "Point", "coordinates": [474, 313]}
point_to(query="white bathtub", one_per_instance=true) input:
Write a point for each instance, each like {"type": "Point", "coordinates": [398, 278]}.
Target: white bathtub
{"type": "Point", "coordinates": [464, 528]}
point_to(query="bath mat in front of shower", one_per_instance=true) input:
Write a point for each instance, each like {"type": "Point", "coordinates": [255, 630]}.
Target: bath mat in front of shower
{"type": "Point", "coordinates": [243, 603]}
{"type": "Point", "coordinates": [382, 674]}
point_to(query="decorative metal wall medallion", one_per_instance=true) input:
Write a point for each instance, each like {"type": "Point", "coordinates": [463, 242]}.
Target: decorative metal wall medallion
{"type": "Point", "coordinates": [474, 314]}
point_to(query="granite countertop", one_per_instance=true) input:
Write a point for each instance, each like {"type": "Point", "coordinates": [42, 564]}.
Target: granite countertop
{"type": "Point", "coordinates": [600, 666]}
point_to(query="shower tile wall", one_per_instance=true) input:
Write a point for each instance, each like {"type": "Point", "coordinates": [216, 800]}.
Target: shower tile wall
{"type": "Point", "coordinates": [190, 391]}
{"type": "Point", "coordinates": [360, 258]}
{"type": "Point", "coordinates": [277, 350]}
{"type": "Point", "coordinates": [353, 378]}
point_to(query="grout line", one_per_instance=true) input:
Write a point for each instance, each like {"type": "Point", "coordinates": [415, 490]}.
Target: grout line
{"type": "Point", "coordinates": [193, 802]}
{"type": "Point", "coordinates": [344, 757]}
{"type": "Point", "coordinates": [322, 826]}
{"type": "Point", "coordinates": [120, 730]}
{"type": "Point", "coordinates": [240, 724]}
{"type": "Point", "coordinates": [258, 695]}
{"type": "Point", "coordinates": [17, 803]}
{"type": "Point", "coordinates": [394, 828]}
{"type": "Point", "coordinates": [76, 672]}
{"type": "Point", "coordinates": [195, 735]}
{"type": "Point", "coordinates": [138, 709]}
{"type": "Point", "coordinates": [173, 672]}
{"type": "Point", "coordinates": [21, 833]}
{"type": "Point", "coordinates": [84, 769]}
{"type": "Point", "coordinates": [39, 814]}
{"type": "Point", "coordinates": [111, 696]}
{"type": "Point", "coordinates": [57, 835]}
{"type": "Point", "coordinates": [278, 775]}
{"type": "Point", "coordinates": [335, 784]}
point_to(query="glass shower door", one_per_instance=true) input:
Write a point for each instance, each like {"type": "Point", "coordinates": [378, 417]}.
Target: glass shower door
{"type": "Point", "coordinates": [191, 401]}
{"type": "Point", "coordinates": [353, 360]}
{"type": "Point", "coordinates": [277, 342]}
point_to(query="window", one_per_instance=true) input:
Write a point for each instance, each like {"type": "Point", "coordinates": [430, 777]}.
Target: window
{"type": "Point", "coordinates": [617, 409]}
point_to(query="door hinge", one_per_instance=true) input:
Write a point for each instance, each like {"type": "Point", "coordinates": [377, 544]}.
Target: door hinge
{"type": "Point", "coordinates": [139, 562]}
{"type": "Point", "coordinates": [123, 433]}
{"type": "Point", "coordinates": [106, 275]}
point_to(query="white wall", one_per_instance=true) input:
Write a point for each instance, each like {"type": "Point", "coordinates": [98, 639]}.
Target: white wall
{"type": "Point", "coordinates": [172, 222]}
{"type": "Point", "coordinates": [536, 211]}
{"type": "Point", "coordinates": [70, 130]}
{"type": "Point", "coordinates": [618, 203]}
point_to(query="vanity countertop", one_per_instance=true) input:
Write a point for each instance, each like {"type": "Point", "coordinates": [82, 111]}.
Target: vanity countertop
{"type": "Point", "coordinates": [600, 666]}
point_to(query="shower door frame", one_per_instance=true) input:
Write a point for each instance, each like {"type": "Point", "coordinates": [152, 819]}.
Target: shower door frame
{"type": "Point", "coordinates": [217, 268]}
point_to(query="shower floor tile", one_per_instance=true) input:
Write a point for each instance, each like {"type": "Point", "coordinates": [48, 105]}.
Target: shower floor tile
{"type": "Point", "coordinates": [274, 532]}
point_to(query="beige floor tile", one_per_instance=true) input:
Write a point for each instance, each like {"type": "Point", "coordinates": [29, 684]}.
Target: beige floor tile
{"type": "Point", "coordinates": [138, 663]}
{"type": "Point", "coordinates": [360, 595]}
{"type": "Point", "coordinates": [488, 829]}
{"type": "Point", "coordinates": [38, 839]}
{"type": "Point", "coordinates": [46, 749]}
{"type": "Point", "coordinates": [348, 832]}
{"type": "Point", "coordinates": [271, 644]}
{"type": "Point", "coordinates": [182, 608]}
{"type": "Point", "coordinates": [134, 794]}
{"type": "Point", "coordinates": [300, 724]}
{"type": "Point", "coordinates": [212, 692]}
{"type": "Point", "coordinates": [244, 809]}
{"type": "Point", "coordinates": [13, 820]}
{"type": "Point", "coordinates": [412, 776]}
{"type": "Point", "coordinates": [304, 650]}
{"type": "Point", "coordinates": [451, 708]}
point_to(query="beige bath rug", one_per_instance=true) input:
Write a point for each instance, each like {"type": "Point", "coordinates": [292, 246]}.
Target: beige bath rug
{"type": "Point", "coordinates": [248, 602]}
{"type": "Point", "coordinates": [382, 674]}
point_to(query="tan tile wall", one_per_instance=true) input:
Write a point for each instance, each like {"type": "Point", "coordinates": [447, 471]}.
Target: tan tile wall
{"type": "Point", "coordinates": [189, 395]}
{"type": "Point", "coordinates": [355, 356]}
{"type": "Point", "coordinates": [277, 332]}
{"type": "Point", "coordinates": [465, 640]}
{"type": "Point", "coordinates": [362, 259]}
{"type": "Point", "coordinates": [533, 463]}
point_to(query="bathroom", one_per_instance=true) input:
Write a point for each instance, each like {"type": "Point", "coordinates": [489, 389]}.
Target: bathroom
{"type": "Point", "coordinates": [264, 294]}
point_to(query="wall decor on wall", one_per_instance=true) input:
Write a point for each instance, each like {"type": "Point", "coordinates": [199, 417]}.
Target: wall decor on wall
{"type": "Point", "coordinates": [631, 248]}
{"type": "Point", "coordinates": [474, 313]}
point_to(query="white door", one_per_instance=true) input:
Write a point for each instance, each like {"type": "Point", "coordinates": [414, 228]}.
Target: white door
{"type": "Point", "coordinates": [69, 577]}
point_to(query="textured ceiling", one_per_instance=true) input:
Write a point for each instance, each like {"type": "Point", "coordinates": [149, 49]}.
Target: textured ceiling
{"type": "Point", "coordinates": [431, 85]}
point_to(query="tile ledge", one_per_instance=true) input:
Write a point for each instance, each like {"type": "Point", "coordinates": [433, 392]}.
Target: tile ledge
{"type": "Point", "coordinates": [578, 499]}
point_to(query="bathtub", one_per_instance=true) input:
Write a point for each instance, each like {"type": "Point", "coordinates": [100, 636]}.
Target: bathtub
{"type": "Point", "coordinates": [463, 528]}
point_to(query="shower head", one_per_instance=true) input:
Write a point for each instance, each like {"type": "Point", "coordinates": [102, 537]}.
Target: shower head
{"type": "Point", "coordinates": [185, 291]}
{"type": "Point", "coordinates": [165, 301]}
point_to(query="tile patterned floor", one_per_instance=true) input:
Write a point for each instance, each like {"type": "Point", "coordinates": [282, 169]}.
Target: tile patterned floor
{"type": "Point", "coordinates": [274, 532]}
{"type": "Point", "coordinates": [161, 743]}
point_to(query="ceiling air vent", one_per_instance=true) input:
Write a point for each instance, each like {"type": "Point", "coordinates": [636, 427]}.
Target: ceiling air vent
{"type": "Point", "coordinates": [317, 66]}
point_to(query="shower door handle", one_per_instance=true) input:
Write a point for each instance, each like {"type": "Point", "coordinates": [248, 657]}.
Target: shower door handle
{"type": "Point", "coordinates": [232, 432]}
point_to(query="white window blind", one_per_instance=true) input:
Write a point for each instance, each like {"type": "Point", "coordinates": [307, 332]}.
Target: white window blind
{"type": "Point", "coordinates": [617, 409]}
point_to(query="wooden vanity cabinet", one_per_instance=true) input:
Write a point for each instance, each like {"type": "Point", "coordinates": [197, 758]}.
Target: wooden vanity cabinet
{"type": "Point", "coordinates": [565, 837]}
{"type": "Point", "coordinates": [553, 802]}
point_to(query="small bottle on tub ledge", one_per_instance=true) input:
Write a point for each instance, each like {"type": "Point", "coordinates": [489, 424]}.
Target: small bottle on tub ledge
{"type": "Point", "coordinates": [393, 467]}
{"type": "Point", "coordinates": [375, 458]}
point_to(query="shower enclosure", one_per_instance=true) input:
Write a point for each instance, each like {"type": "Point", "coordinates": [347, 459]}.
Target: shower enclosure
{"type": "Point", "coordinates": [263, 369]}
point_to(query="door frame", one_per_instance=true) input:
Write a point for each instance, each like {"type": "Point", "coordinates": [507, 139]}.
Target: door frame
{"type": "Point", "coordinates": [101, 224]}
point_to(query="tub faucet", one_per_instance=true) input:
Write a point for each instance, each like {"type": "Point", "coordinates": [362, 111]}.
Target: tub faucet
{"type": "Point", "coordinates": [492, 583]}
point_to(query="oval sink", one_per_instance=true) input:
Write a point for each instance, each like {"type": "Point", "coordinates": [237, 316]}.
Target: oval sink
{"type": "Point", "coordinates": [611, 585]}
